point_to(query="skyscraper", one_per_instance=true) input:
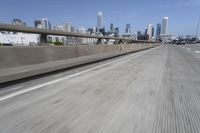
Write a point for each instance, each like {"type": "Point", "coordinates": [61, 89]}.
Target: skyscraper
{"type": "Point", "coordinates": [112, 27]}
{"type": "Point", "coordinates": [158, 30]}
{"type": "Point", "coordinates": [67, 27]}
{"type": "Point", "coordinates": [73, 29]}
{"type": "Point", "coordinates": [116, 32]}
{"type": "Point", "coordinates": [153, 31]}
{"type": "Point", "coordinates": [45, 24]}
{"type": "Point", "coordinates": [99, 20]}
{"type": "Point", "coordinates": [37, 23]}
{"type": "Point", "coordinates": [128, 28]}
{"type": "Point", "coordinates": [164, 25]}
{"type": "Point", "coordinates": [145, 32]}
{"type": "Point", "coordinates": [149, 31]}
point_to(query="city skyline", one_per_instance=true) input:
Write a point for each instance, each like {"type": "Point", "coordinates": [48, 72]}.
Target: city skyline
{"type": "Point", "coordinates": [137, 13]}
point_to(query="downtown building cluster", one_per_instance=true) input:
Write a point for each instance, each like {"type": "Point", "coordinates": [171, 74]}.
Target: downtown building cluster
{"type": "Point", "coordinates": [13, 38]}
{"type": "Point", "coordinates": [160, 34]}
{"type": "Point", "coordinates": [34, 39]}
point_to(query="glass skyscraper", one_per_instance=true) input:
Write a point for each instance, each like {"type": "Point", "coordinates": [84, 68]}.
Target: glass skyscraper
{"type": "Point", "coordinates": [99, 20]}
{"type": "Point", "coordinates": [164, 25]}
{"type": "Point", "coordinates": [45, 24]}
{"type": "Point", "coordinates": [158, 30]}
{"type": "Point", "coordinates": [128, 28]}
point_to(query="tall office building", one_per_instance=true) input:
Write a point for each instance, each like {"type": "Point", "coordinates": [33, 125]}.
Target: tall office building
{"type": "Point", "coordinates": [153, 30]}
{"type": "Point", "coordinates": [128, 28]}
{"type": "Point", "coordinates": [139, 33]}
{"type": "Point", "coordinates": [164, 25]}
{"type": "Point", "coordinates": [99, 20]}
{"type": "Point", "coordinates": [82, 30]}
{"type": "Point", "coordinates": [92, 30]}
{"type": "Point", "coordinates": [150, 31]}
{"type": "Point", "coordinates": [73, 29]}
{"type": "Point", "coordinates": [67, 27]}
{"type": "Point", "coordinates": [116, 32]}
{"type": "Point", "coordinates": [45, 24]}
{"type": "Point", "coordinates": [158, 30]}
{"type": "Point", "coordinates": [112, 27]}
{"type": "Point", "coordinates": [37, 23]}
{"type": "Point", "coordinates": [145, 31]}
{"type": "Point", "coordinates": [49, 26]}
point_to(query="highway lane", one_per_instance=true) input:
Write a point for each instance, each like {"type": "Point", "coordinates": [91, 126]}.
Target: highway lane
{"type": "Point", "coordinates": [154, 91]}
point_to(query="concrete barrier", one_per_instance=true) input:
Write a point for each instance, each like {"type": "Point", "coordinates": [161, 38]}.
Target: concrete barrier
{"type": "Point", "coordinates": [21, 62]}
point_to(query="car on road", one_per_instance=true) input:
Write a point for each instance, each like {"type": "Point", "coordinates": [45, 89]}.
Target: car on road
{"type": "Point", "coordinates": [180, 42]}
{"type": "Point", "coordinates": [174, 41]}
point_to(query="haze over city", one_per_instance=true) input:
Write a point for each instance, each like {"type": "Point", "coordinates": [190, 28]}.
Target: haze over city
{"type": "Point", "coordinates": [183, 14]}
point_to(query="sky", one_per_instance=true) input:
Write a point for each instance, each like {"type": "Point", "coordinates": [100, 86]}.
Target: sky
{"type": "Point", "coordinates": [183, 14]}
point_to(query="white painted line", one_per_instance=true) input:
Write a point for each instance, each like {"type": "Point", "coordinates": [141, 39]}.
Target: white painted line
{"type": "Point", "coordinates": [13, 89]}
{"type": "Point", "coordinates": [197, 51]}
{"type": "Point", "coordinates": [63, 78]}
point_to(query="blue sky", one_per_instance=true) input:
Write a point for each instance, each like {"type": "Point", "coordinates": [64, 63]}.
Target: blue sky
{"type": "Point", "coordinates": [183, 14]}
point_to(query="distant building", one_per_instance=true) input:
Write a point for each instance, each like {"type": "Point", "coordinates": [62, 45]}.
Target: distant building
{"type": "Point", "coordinates": [142, 36]}
{"type": "Point", "coordinates": [158, 30]}
{"type": "Point", "coordinates": [92, 31]}
{"type": "Point", "coordinates": [145, 31]}
{"type": "Point", "coordinates": [112, 27]}
{"type": "Point", "coordinates": [102, 31]}
{"type": "Point", "coordinates": [73, 30]}
{"type": "Point", "coordinates": [49, 26]}
{"type": "Point", "coordinates": [128, 29]}
{"type": "Point", "coordinates": [153, 31]}
{"type": "Point", "coordinates": [149, 31]}
{"type": "Point", "coordinates": [37, 24]}
{"type": "Point", "coordinates": [99, 20]}
{"type": "Point", "coordinates": [19, 39]}
{"type": "Point", "coordinates": [58, 28]}
{"type": "Point", "coordinates": [164, 25]}
{"type": "Point", "coordinates": [82, 30]}
{"type": "Point", "coordinates": [18, 22]}
{"type": "Point", "coordinates": [67, 27]}
{"type": "Point", "coordinates": [45, 24]}
{"type": "Point", "coordinates": [116, 32]}
{"type": "Point", "coordinates": [139, 33]}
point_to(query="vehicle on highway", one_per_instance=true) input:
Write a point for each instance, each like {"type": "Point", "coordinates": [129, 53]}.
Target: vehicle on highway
{"type": "Point", "coordinates": [174, 41]}
{"type": "Point", "coordinates": [7, 44]}
{"type": "Point", "coordinates": [193, 40]}
{"type": "Point", "coordinates": [180, 42]}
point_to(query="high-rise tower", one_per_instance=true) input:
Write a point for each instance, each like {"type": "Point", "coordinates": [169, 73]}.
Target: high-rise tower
{"type": "Point", "coordinates": [158, 30]}
{"type": "Point", "coordinates": [164, 25]}
{"type": "Point", "coordinates": [99, 20]}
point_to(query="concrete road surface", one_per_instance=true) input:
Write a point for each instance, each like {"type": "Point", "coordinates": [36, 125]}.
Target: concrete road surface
{"type": "Point", "coordinates": [154, 91]}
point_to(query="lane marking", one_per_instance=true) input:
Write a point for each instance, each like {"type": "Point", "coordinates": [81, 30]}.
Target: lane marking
{"type": "Point", "coordinates": [197, 51]}
{"type": "Point", "coordinates": [12, 89]}
{"type": "Point", "coordinates": [67, 77]}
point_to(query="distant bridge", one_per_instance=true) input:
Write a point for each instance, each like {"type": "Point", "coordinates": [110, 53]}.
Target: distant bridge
{"type": "Point", "coordinates": [44, 33]}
